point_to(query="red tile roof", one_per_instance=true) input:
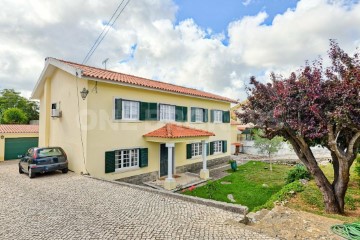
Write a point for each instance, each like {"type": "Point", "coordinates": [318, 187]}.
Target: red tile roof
{"type": "Point", "coordinates": [242, 127]}
{"type": "Point", "coordinates": [176, 131]}
{"type": "Point", "coordinates": [13, 128]}
{"type": "Point", "coordinates": [99, 73]}
{"type": "Point", "coordinates": [233, 122]}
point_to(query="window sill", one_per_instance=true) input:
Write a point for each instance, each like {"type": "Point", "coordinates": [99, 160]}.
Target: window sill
{"type": "Point", "coordinates": [127, 121]}
{"type": "Point", "coordinates": [217, 153]}
{"type": "Point", "coordinates": [195, 157]}
{"type": "Point", "coordinates": [167, 121]}
{"type": "Point", "coordinates": [119, 170]}
{"type": "Point", "coordinates": [197, 122]}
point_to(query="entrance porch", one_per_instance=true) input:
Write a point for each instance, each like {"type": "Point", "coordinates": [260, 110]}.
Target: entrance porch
{"type": "Point", "coordinates": [172, 139]}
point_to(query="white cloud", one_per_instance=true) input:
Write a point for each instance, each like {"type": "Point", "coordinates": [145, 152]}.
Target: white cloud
{"type": "Point", "coordinates": [182, 53]}
{"type": "Point", "coordinates": [246, 2]}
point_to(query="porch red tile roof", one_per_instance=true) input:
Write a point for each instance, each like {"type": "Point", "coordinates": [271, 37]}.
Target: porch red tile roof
{"type": "Point", "coordinates": [176, 131]}
{"type": "Point", "coordinates": [14, 128]}
{"type": "Point", "coordinates": [99, 73]}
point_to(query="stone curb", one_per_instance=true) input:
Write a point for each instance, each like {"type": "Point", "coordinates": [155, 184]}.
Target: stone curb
{"type": "Point", "coordinates": [235, 208]}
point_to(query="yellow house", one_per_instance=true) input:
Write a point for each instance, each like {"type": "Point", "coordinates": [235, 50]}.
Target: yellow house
{"type": "Point", "coordinates": [119, 126]}
{"type": "Point", "coordinates": [16, 140]}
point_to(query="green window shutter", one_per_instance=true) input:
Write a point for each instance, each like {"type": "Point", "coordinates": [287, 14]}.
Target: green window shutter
{"type": "Point", "coordinates": [153, 113]}
{"type": "Point", "coordinates": [143, 157]}
{"type": "Point", "coordinates": [188, 150]}
{"type": "Point", "coordinates": [180, 114]}
{"type": "Point", "coordinates": [206, 115]}
{"type": "Point", "coordinates": [143, 110]}
{"type": "Point", "coordinates": [226, 116]}
{"type": "Point", "coordinates": [185, 115]}
{"type": "Point", "coordinates": [212, 148]}
{"type": "Point", "coordinates": [148, 111]}
{"type": "Point", "coordinates": [118, 108]}
{"type": "Point", "coordinates": [109, 161]}
{"type": "Point", "coordinates": [207, 149]}
{"type": "Point", "coordinates": [212, 115]}
{"type": "Point", "coordinates": [193, 114]}
{"type": "Point", "coordinates": [224, 146]}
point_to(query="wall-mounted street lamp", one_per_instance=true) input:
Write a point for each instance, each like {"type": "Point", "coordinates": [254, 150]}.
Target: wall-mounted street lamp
{"type": "Point", "coordinates": [2, 137]}
{"type": "Point", "coordinates": [84, 93]}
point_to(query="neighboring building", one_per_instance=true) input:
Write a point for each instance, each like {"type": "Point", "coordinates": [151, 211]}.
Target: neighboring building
{"type": "Point", "coordinates": [16, 140]}
{"type": "Point", "coordinates": [239, 135]}
{"type": "Point", "coordinates": [131, 128]}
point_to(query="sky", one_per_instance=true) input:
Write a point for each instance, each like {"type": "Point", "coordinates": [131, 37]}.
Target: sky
{"type": "Point", "coordinates": [212, 45]}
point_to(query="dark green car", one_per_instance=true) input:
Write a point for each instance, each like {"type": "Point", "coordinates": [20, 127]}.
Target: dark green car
{"type": "Point", "coordinates": [41, 160]}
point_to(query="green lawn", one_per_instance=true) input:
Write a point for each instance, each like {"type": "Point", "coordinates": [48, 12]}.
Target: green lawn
{"type": "Point", "coordinates": [246, 185]}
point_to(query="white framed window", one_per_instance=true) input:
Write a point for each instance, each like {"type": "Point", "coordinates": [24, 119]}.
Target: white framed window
{"type": "Point", "coordinates": [217, 146]}
{"type": "Point", "coordinates": [218, 116]}
{"type": "Point", "coordinates": [128, 158]}
{"type": "Point", "coordinates": [130, 110]}
{"type": "Point", "coordinates": [199, 115]}
{"type": "Point", "coordinates": [167, 112]}
{"type": "Point", "coordinates": [196, 149]}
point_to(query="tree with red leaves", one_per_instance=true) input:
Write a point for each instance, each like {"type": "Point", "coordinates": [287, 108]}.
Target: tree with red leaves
{"type": "Point", "coordinates": [317, 106]}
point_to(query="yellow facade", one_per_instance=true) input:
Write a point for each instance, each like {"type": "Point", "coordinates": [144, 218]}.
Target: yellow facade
{"type": "Point", "coordinates": [101, 132]}
{"type": "Point", "coordinates": [12, 135]}
{"type": "Point", "coordinates": [234, 134]}
{"type": "Point", "coordinates": [62, 90]}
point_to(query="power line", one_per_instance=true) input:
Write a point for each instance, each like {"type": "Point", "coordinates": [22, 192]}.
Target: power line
{"type": "Point", "coordinates": [105, 31]}
{"type": "Point", "coordinates": [107, 25]}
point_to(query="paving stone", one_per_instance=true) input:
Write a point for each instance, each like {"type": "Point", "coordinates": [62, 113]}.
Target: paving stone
{"type": "Point", "coordinates": [231, 197]}
{"type": "Point", "coordinates": [70, 206]}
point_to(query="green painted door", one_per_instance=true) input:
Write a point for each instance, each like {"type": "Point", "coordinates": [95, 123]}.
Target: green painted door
{"type": "Point", "coordinates": [18, 146]}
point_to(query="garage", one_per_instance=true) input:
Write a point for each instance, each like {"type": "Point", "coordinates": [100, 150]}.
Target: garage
{"type": "Point", "coordinates": [17, 139]}
{"type": "Point", "coordinates": [18, 146]}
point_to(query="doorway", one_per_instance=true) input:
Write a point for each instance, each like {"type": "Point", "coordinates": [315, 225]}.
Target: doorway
{"type": "Point", "coordinates": [164, 160]}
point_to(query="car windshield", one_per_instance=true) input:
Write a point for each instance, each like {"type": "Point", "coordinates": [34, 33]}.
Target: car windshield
{"type": "Point", "coordinates": [49, 152]}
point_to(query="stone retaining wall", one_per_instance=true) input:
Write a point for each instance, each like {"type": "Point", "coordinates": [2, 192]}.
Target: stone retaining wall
{"type": "Point", "coordinates": [152, 176]}
{"type": "Point", "coordinates": [139, 179]}
{"type": "Point", "coordinates": [196, 167]}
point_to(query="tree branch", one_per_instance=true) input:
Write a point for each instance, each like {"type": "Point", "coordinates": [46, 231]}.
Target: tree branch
{"type": "Point", "coordinates": [350, 150]}
{"type": "Point", "coordinates": [332, 142]}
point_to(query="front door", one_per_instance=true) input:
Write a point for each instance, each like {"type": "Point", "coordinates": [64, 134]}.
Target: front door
{"type": "Point", "coordinates": [164, 160]}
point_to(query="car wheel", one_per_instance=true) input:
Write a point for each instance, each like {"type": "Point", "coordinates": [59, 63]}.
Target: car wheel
{"type": "Point", "coordinates": [31, 174]}
{"type": "Point", "coordinates": [20, 170]}
{"type": "Point", "coordinates": [65, 170]}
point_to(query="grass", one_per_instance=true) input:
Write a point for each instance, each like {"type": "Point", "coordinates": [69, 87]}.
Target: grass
{"type": "Point", "coordinates": [247, 188]}
{"type": "Point", "coordinates": [311, 199]}
{"type": "Point", "coordinates": [246, 185]}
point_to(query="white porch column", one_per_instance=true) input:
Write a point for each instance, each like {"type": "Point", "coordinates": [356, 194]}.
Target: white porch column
{"type": "Point", "coordinates": [170, 182]}
{"type": "Point", "coordinates": [204, 172]}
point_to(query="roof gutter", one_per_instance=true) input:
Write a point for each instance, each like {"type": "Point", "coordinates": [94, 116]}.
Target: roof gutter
{"type": "Point", "coordinates": [155, 89]}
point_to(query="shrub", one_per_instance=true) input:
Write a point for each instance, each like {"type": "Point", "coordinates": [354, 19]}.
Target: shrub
{"type": "Point", "coordinates": [211, 188]}
{"type": "Point", "coordinates": [298, 172]}
{"type": "Point", "coordinates": [284, 194]}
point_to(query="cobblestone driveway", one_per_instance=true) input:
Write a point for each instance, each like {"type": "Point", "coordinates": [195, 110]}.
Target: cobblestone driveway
{"type": "Point", "coordinates": [69, 206]}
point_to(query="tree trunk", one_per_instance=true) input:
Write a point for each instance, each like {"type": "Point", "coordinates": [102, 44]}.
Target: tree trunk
{"type": "Point", "coordinates": [341, 179]}
{"type": "Point", "coordinates": [331, 201]}
{"type": "Point", "coordinates": [329, 194]}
